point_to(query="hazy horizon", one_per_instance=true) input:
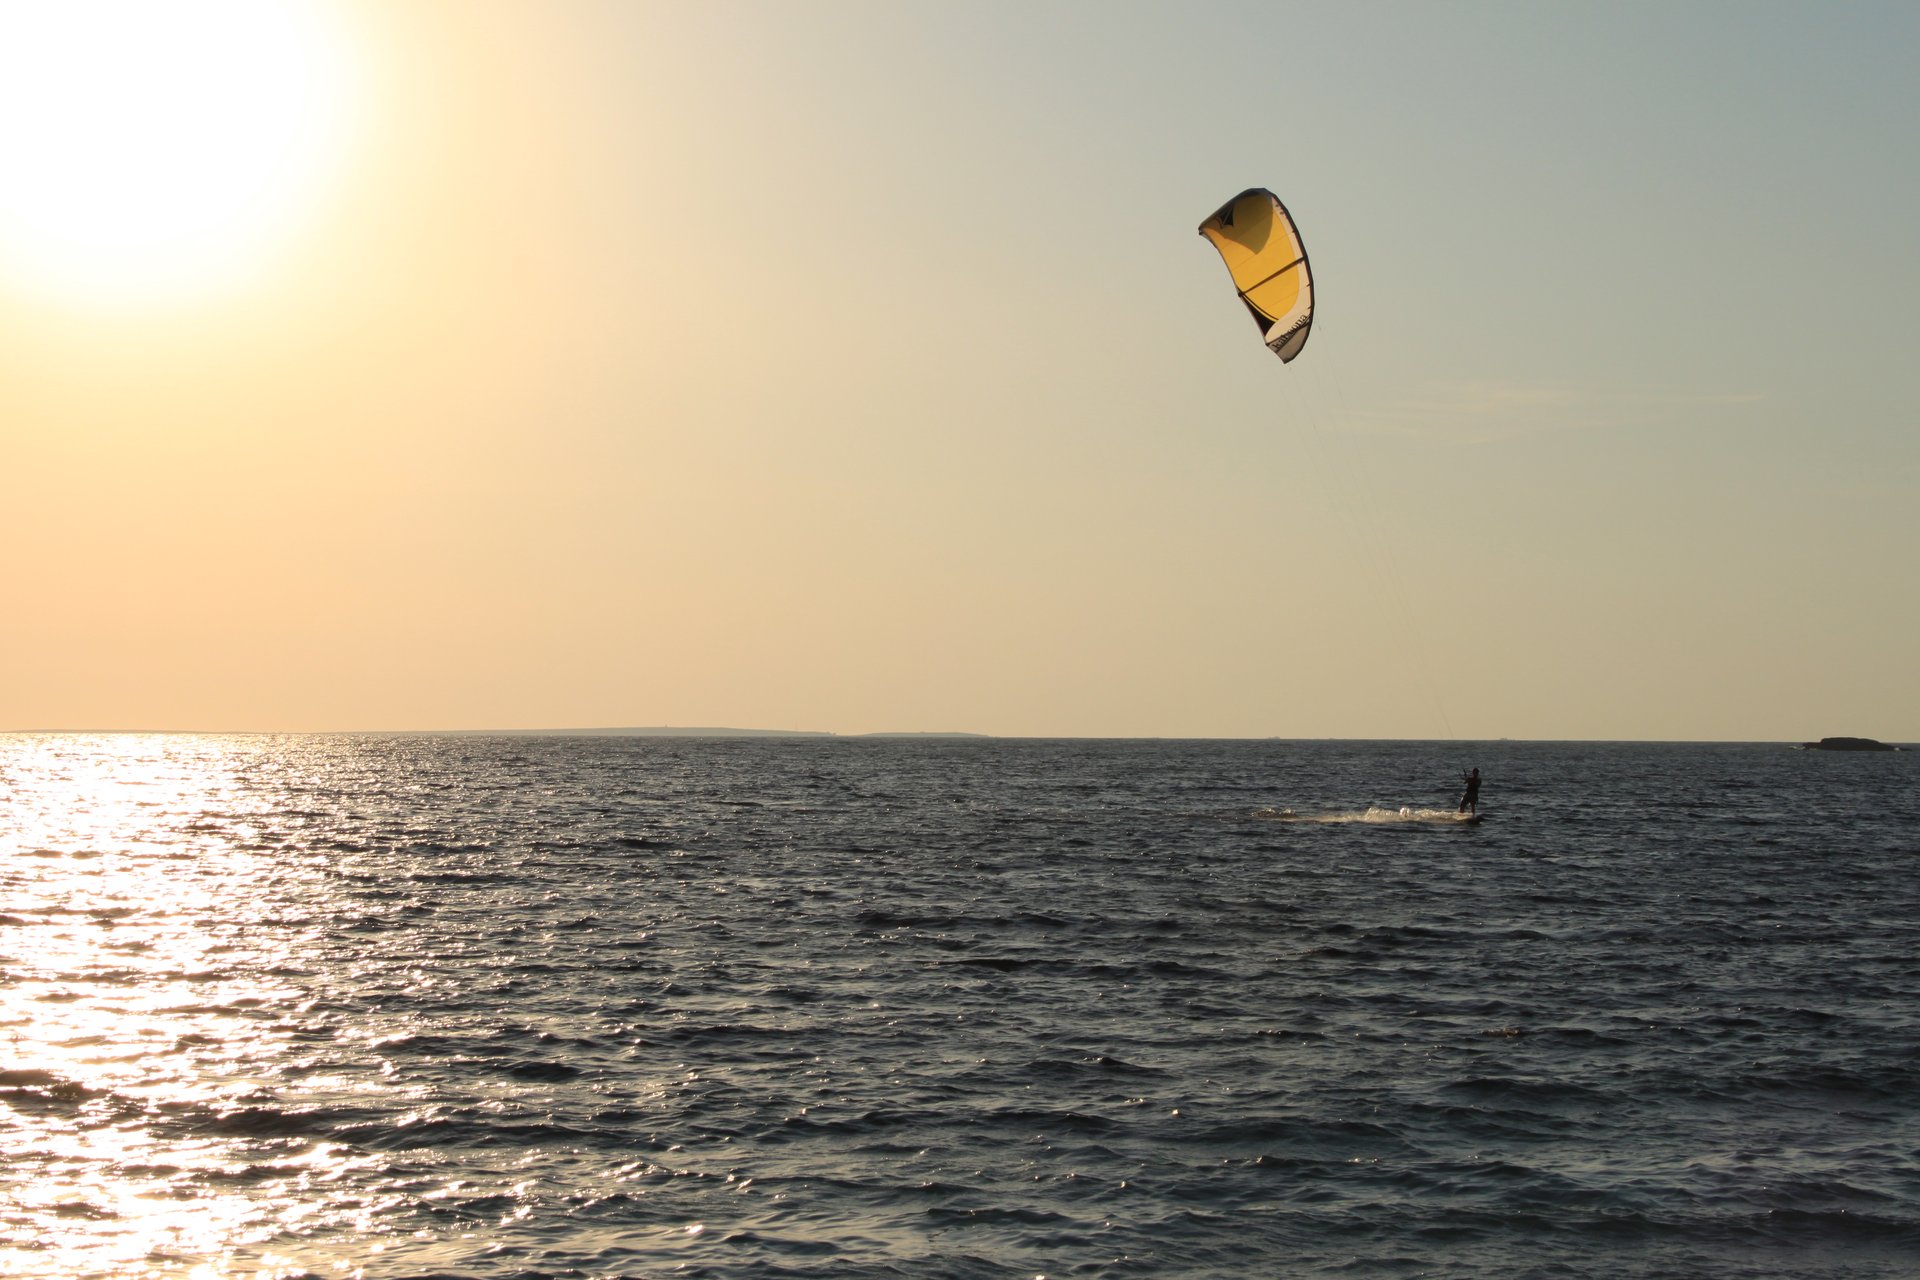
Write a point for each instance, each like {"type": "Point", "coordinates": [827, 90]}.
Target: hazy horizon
{"type": "Point", "coordinates": [858, 367]}
{"type": "Point", "coordinates": [725, 731]}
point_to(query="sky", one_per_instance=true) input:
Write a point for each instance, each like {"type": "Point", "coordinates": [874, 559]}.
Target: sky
{"type": "Point", "coordinates": [857, 367]}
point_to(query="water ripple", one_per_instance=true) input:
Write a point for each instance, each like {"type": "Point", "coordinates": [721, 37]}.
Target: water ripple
{"type": "Point", "coordinates": [509, 1007]}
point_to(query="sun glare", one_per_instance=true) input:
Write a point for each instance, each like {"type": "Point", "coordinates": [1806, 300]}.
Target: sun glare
{"type": "Point", "coordinates": [151, 152]}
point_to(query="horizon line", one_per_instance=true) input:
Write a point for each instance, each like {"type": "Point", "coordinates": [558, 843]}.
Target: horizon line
{"type": "Point", "coordinates": [718, 731]}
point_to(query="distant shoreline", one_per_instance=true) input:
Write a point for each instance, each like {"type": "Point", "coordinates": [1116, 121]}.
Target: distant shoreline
{"type": "Point", "coordinates": [671, 731]}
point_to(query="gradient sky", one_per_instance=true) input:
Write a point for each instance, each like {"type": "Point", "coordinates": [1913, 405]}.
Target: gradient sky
{"type": "Point", "coordinates": [856, 366]}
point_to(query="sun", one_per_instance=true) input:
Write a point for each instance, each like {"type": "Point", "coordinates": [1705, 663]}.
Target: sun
{"type": "Point", "coordinates": [159, 151]}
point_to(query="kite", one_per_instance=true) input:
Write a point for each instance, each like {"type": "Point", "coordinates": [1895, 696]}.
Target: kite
{"type": "Point", "coordinates": [1268, 262]}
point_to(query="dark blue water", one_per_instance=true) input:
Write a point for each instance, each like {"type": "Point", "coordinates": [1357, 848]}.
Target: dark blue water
{"type": "Point", "coordinates": [515, 1007]}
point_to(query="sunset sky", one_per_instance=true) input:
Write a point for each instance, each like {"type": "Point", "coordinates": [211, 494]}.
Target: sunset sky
{"type": "Point", "coordinates": [856, 367]}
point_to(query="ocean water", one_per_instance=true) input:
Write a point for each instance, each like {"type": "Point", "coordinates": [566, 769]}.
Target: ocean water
{"type": "Point", "coordinates": [525, 1007]}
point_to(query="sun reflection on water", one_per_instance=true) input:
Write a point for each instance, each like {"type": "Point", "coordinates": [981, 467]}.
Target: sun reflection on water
{"type": "Point", "coordinates": [147, 980]}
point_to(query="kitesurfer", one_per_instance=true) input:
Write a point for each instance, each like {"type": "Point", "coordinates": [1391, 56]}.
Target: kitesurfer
{"type": "Point", "coordinates": [1470, 802]}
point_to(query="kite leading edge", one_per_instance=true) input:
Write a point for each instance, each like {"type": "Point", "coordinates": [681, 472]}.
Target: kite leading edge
{"type": "Point", "coordinates": [1265, 256]}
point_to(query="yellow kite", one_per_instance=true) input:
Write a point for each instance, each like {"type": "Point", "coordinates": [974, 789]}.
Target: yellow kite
{"type": "Point", "coordinates": [1268, 262]}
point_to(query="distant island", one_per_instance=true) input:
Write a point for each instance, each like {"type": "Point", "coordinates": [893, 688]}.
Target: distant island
{"type": "Point", "coordinates": [1847, 744]}
{"type": "Point", "coordinates": [676, 731]}
{"type": "Point", "coordinates": [671, 731]}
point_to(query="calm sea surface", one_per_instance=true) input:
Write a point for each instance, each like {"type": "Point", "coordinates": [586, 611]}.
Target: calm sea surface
{"type": "Point", "coordinates": [514, 1007]}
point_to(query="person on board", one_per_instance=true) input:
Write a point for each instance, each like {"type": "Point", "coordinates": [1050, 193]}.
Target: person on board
{"type": "Point", "coordinates": [1470, 802]}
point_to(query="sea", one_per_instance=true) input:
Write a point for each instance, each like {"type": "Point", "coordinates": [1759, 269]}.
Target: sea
{"type": "Point", "coordinates": [599, 1006]}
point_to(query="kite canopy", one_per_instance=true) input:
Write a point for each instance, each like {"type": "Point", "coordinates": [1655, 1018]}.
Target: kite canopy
{"type": "Point", "coordinates": [1263, 252]}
